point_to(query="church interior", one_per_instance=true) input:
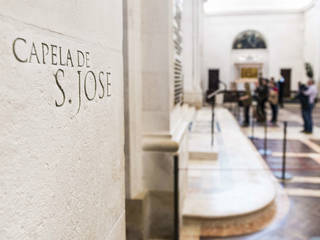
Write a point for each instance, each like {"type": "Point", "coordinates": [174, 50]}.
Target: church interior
{"type": "Point", "coordinates": [160, 119]}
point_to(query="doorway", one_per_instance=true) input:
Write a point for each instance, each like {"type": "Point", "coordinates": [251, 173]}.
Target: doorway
{"type": "Point", "coordinates": [286, 74]}
{"type": "Point", "coordinates": [214, 79]}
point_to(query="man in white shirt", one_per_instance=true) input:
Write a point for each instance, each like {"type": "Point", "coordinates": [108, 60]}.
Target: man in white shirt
{"type": "Point", "coordinates": [312, 93]}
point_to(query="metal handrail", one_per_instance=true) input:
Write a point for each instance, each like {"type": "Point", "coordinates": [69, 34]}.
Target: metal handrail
{"type": "Point", "coordinates": [215, 93]}
{"type": "Point", "coordinates": [210, 96]}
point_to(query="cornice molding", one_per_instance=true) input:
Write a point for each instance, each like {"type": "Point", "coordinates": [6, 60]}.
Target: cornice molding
{"type": "Point", "coordinates": [262, 11]}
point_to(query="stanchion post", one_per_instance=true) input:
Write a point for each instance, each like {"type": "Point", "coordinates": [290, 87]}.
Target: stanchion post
{"type": "Point", "coordinates": [264, 151]}
{"type": "Point", "coordinates": [284, 151]}
{"type": "Point", "coordinates": [238, 113]}
{"type": "Point", "coordinates": [212, 126]}
{"type": "Point", "coordinates": [265, 138]}
{"type": "Point", "coordinates": [176, 197]}
{"type": "Point", "coordinates": [252, 126]}
{"type": "Point", "coordinates": [283, 175]}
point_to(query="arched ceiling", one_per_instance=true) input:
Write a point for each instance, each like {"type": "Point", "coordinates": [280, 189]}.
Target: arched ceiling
{"type": "Point", "coordinates": [252, 6]}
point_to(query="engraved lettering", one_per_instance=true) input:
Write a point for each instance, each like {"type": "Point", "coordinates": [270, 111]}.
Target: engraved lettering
{"type": "Point", "coordinates": [33, 53]}
{"type": "Point", "coordinates": [87, 59]}
{"type": "Point", "coordinates": [60, 88]}
{"type": "Point", "coordinates": [14, 50]}
{"type": "Point", "coordinates": [69, 58]}
{"type": "Point", "coordinates": [45, 52]}
{"type": "Point", "coordinates": [108, 84]}
{"type": "Point", "coordinates": [79, 91]}
{"type": "Point", "coordinates": [54, 54]}
{"type": "Point", "coordinates": [85, 85]}
{"type": "Point", "coordinates": [100, 81]}
{"type": "Point", "coordinates": [91, 85]}
{"type": "Point", "coordinates": [60, 57]}
{"type": "Point", "coordinates": [82, 56]}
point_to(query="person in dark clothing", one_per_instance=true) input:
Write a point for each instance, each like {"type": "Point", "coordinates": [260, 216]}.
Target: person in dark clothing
{"type": "Point", "coordinates": [304, 102]}
{"type": "Point", "coordinates": [262, 93]}
{"type": "Point", "coordinates": [246, 102]}
{"type": "Point", "coordinates": [311, 93]}
{"type": "Point", "coordinates": [273, 100]}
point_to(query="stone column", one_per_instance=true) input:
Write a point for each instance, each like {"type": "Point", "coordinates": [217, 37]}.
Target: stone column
{"type": "Point", "coordinates": [192, 32]}
{"type": "Point", "coordinates": [156, 124]}
{"type": "Point", "coordinates": [165, 120]}
{"type": "Point", "coordinates": [157, 59]}
{"type": "Point", "coordinates": [137, 222]}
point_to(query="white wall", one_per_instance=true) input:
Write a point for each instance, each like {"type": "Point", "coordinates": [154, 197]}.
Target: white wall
{"type": "Point", "coordinates": [227, 6]}
{"type": "Point", "coordinates": [312, 39]}
{"type": "Point", "coordinates": [61, 171]}
{"type": "Point", "coordinates": [283, 33]}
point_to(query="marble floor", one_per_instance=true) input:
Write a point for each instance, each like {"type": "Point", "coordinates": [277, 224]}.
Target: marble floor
{"type": "Point", "coordinates": [297, 205]}
{"type": "Point", "coordinates": [303, 163]}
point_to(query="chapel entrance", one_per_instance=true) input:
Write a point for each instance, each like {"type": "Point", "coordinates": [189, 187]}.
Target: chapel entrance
{"type": "Point", "coordinates": [214, 79]}
{"type": "Point", "coordinates": [249, 56]}
{"type": "Point", "coordinates": [286, 74]}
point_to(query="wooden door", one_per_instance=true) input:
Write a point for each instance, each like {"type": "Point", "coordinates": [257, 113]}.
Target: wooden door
{"type": "Point", "coordinates": [286, 74]}
{"type": "Point", "coordinates": [214, 79]}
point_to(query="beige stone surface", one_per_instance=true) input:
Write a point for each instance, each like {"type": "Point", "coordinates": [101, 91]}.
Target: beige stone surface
{"type": "Point", "coordinates": [62, 170]}
{"type": "Point", "coordinates": [200, 147]}
{"type": "Point", "coordinates": [267, 218]}
{"type": "Point", "coordinates": [239, 183]}
{"type": "Point", "coordinates": [133, 97]}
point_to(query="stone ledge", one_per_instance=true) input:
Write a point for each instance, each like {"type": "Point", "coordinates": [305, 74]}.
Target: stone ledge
{"type": "Point", "coordinates": [203, 155]}
{"type": "Point", "coordinates": [160, 145]}
{"type": "Point", "coordinates": [231, 186]}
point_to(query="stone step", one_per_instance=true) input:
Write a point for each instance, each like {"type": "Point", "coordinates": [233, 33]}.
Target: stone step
{"type": "Point", "coordinates": [203, 155]}
{"type": "Point", "coordinates": [200, 147]}
{"type": "Point", "coordinates": [237, 188]}
{"type": "Point", "coordinates": [233, 226]}
{"type": "Point", "coordinates": [270, 216]}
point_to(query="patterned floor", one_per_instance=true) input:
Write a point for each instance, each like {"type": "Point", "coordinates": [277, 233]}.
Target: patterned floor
{"type": "Point", "coordinates": [295, 109]}
{"type": "Point", "coordinates": [303, 163]}
{"type": "Point", "coordinates": [302, 223]}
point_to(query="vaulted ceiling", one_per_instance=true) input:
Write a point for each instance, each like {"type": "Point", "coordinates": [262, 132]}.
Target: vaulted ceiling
{"type": "Point", "coordinates": [239, 6]}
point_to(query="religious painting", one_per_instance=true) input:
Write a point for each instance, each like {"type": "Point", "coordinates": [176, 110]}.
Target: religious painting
{"type": "Point", "coordinates": [249, 72]}
{"type": "Point", "coordinates": [249, 40]}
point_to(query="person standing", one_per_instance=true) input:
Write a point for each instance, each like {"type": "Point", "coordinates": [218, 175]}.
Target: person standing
{"type": "Point", "coordinates": [246, 102]}
{"type": "Point", "coordinates": [311, 92]}
{"type": "Point", "coordinates": [273, 100]}
{"type": "Point", "coordinates": [262, 92]}
{"type": "Point", "coordinates": [304, 102]}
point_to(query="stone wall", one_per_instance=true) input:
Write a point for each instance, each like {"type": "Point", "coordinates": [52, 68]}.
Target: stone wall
{"type": "Point", "coordinates": [62, 163]}
{"type": "Point", "coordinates": [284, 43]}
